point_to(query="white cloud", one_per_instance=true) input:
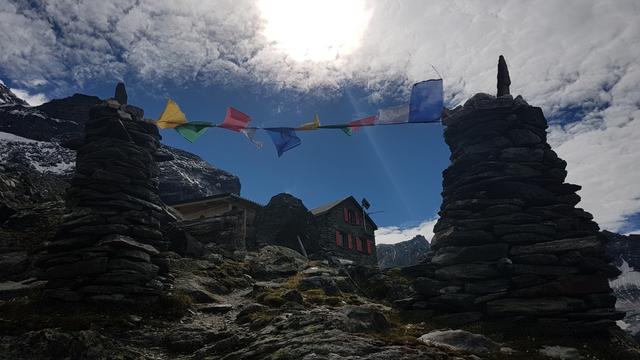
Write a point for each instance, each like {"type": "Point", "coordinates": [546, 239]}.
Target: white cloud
{"type": "Point", "coordinates": [395, 234]}
{"type": "Point", "coordinates": [571, 54]}
{"type": "Point", "coordinates": [32, 99]}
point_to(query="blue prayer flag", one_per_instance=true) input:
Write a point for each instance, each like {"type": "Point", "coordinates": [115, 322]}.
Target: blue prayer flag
{"type": "Point", "coordinates": [284, 139]}
{"type": "Point", "coordinates": [427, 100]}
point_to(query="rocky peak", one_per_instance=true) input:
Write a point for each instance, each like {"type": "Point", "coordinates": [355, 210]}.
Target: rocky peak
{"type": "Point", "coordinates": [7, 97]}
{"type": "Point", "coordinates": [402, 254]}
{"type": "Point", "coordinates": [74, 108]}
{"type": "Point", "coordinates": [186, 177]}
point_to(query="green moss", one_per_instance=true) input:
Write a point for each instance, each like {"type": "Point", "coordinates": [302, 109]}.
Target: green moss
{"type": "Point", "coordinates": [273, 300]}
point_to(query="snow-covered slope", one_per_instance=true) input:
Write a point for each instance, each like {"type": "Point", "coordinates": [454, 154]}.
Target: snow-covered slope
{"type": "Point", "coordinates": [42, 156]}
{"type": "Point", "coordinates": [7, 97]}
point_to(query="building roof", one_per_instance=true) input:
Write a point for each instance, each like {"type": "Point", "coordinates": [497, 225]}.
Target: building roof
{"type": "Point", "coordinates": [221, 196]}
{"type": "Point", "coordinates": [326, 207]}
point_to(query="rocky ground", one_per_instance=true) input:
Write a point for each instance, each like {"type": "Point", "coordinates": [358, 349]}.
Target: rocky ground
{"type": "Point", "coordinates": [274, 304]}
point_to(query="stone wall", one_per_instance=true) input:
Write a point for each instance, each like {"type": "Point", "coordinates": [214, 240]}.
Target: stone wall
{"type": "Point", "coordinates": [105, 247]}
{"type": "Point", "coordinates": [224, 230]}
{"type": "Point", "coordinates": [510, 243]}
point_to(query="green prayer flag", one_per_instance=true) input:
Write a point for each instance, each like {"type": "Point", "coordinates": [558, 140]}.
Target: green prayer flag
{"type": "Point", "coordinates": [347, 130]}
{"type": "Point", "coordinates": [193, 130]}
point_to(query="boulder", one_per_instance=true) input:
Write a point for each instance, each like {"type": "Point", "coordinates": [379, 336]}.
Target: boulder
{"type": "Point", "coordinates": [276, 261]}
{"type": "Point", "coordinates": [460, 340]}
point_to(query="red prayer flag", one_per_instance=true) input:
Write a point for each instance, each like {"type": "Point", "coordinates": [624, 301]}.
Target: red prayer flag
{"type": "Point", "coordinates": [356, 124]}
{"type": "Point", "coordinates": [235, 120]}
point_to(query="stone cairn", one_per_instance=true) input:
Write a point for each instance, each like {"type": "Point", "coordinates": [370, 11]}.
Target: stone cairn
{"type": "Point", "coordinates": [510, 243]}
{"type": "Point", "coordinates": [110, 236]}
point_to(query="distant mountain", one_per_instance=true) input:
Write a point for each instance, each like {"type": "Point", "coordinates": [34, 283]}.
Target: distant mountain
{"type": "Point", "coordinates": [624, 250]}
{"type": "Point", "coordinates": [402, 254]}
{"type": "Point", "coordinates": [8, 97]}
{"type": "Point", "coordinates": [30, 144]}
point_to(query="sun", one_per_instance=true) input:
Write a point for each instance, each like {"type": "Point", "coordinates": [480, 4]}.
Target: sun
{"type": "Point", "coordinates": [315, 30]}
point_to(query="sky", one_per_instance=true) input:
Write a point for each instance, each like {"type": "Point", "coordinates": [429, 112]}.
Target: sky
{"type": "Point", "coordinates": [282, 61]}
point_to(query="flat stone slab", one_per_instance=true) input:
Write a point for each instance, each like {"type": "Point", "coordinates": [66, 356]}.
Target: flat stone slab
{"type": "Point", "coordinates": [460, 340]}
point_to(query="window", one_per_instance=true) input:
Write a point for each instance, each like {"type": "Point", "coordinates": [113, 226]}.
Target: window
{"type": "Point", "coordinates": [358, 244]}
{"type": "Point", "coordinates": [369, 247]}
{"type": "Point", "coordinates": [343, 240]}
{"type": "Point", "coordinates": [349, 241]}
{"type": "Point", "coordinates": [352, 217]}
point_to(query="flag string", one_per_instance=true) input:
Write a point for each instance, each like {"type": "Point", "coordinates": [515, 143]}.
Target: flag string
{"type": "Point", "coordinates": [425, 107]}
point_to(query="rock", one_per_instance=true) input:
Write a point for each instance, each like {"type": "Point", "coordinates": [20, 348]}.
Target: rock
{"type": "Point", "coordinates": [13, 263]}
{"type": "Point", "coordinates": [402, 254]}
{"type": "Point", "coordinates": [534, 307]}
{"type": "Point", "coordinates": [12, 289]}
{"type": "Point", "coordinates": [518, 154]}
{"type": "Point", "coordinates": [560, 352]}
{"type": "Point", "coordinates": [523, 137]}
{"type": "Point", "coordinates": [488, 286]}
{"type": "Point", "coordinates": [366, 318]}
{"type": "Point", "coordinates": [327, 284]}
{"type": "Point", "coordinates": [187, 339]}
{"type": "Point", "coordinates": [458, 319]}
{"type": "Point", "coordinates": [276, 261]}
{"type": "Point", "coordinates": [460, 340]}
{"type": "Point", "coordinates": [467, 254]}
{"type": "Point", "coordinates": [244, 316]}
{"type": "Point", "coordinates": [589, 244]}
{"type": "Point", "coordinates": [427, 286]}
{"type": "Point", "coordinates": [294, 296]}
{"type": "Point", "coordinates": [282, 221]}
{"type": "Point", "coordinates": [467, 271]}
{"type": "Point", "coordinates": [195, 287]}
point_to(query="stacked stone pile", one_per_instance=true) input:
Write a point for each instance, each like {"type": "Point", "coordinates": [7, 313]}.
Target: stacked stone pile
{"type": "Point", "coordinates": [510, 242]}
{"type": "Point", "coordinates": [105, 248]}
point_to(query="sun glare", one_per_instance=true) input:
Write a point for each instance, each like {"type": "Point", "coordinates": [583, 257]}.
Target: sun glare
{"type": "Point", "coordinates": [316, 30]}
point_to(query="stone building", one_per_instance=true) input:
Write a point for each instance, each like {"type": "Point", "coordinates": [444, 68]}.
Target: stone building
{"type": "Point", "coordinates": [346, 231]}
{"type": "Point", "coordinates": [225, 219]}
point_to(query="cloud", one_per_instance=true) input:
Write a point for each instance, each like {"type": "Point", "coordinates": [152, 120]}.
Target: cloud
{"type": "Point", "coordinates": [395, 234]}
{"type": "Point", "coordinates": [32, 99]}
{"type": "Point", "coordinates": [576, 59]}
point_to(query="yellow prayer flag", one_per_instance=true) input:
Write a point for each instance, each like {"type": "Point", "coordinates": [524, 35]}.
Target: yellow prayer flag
{"type": "Point", "coordinates": [171, 117]}
{"type": "Point", "coordinates": [311, 125]}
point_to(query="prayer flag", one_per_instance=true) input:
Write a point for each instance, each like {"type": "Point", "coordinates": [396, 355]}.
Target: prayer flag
{"type": "Point", "coordinates": [171, 117]}
{"type": "Point", "coordinates": [393, 115]}
{"type": "Point", "coordinates": [284, 139]}
{"type": "Point", "coordinates": [311, 125]}
{"type": "Point", "coordinates": [250, 133]}
{"type": "Point", "coordinates": [235, 120]}
{"type": "Point", "coordinates": [426, 101]}
{"type": "Point", "coordinates": [347, 130]}
{"type": "Point", "coordinates": [357, 124]}
{"type": "Point", "coordinates": [193, 130]}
